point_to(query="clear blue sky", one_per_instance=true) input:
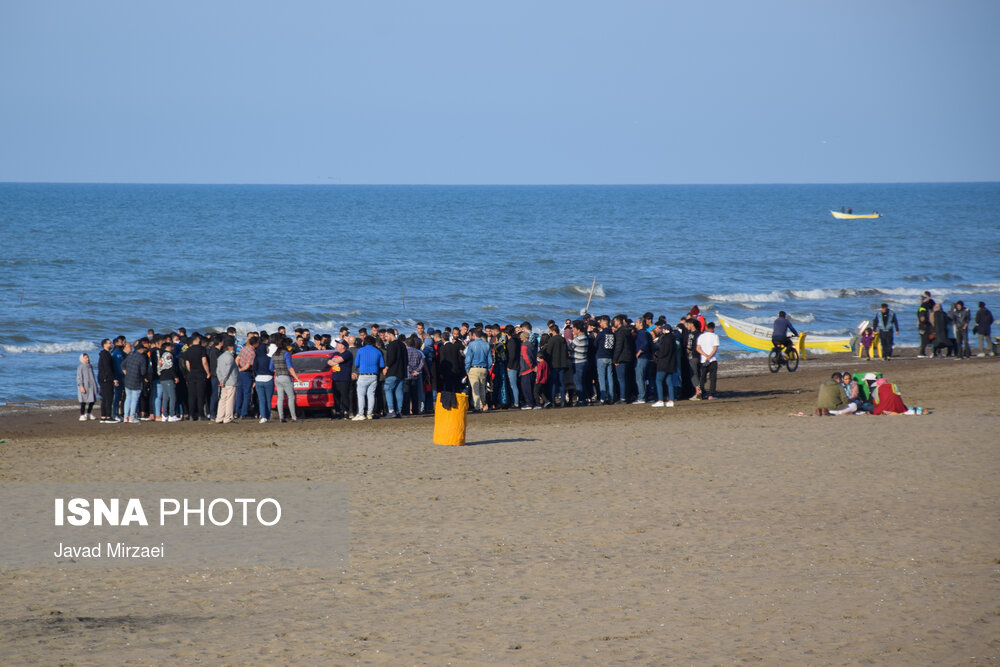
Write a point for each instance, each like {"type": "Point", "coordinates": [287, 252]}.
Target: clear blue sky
{"type": "Point", "coordinates": [331, 91]}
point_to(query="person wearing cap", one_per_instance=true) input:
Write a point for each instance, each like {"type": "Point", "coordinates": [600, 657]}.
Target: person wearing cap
{"type": "Point", "coordinates": [884, 323]}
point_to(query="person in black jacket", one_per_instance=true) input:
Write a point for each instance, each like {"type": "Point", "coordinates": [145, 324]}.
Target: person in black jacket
{"type": "Point", "coordinates": [451, 367]}
{"type": "Point", "coordinates": [558, 354]}
{"type": "Point", "coordinates": [513, 363]}
{"type": "Point", "coordinates": [106, 379]}
{"type": "Point", "coordinates": [666, 364]}
{"type": "Point", "coordinates": [394, 372]}
{"type": "Point", "coordinates": [623, 356]}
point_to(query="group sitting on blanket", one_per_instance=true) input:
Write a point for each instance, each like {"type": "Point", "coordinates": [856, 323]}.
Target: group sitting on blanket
{"type": "Point", "coordinates": [845, 394]}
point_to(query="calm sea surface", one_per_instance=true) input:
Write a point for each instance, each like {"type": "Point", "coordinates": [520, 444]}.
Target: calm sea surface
{"type": "Point", "coordinates": [84, 262]}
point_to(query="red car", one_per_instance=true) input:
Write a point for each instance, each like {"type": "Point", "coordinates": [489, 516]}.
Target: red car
{"type": "Point", "coordinates": [315, 386]}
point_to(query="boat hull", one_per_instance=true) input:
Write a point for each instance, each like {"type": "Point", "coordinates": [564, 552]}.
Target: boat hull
{"type": "Point", "coordinates": [751, 336]}
{"type": "Point", "coordinates": [855, 216]}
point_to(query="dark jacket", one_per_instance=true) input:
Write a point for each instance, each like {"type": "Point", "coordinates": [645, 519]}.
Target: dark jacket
{"type": "Point", "coordinates": [262, 362]}
{"type": "Point", "coordinates": [624, 352]}
{"type": "Point", "coordinates": [605, 343]}
{"type": "Point", "coordinates": [558, 352]}
{"type": "Point", "coordinates": [513, 353]}
{"type": "Point", "coordinates": [666, 353]}
{"type": "Point", "coordinates": [135, 366]}
{"type": "Point", "coordinates": [940, 321]}
{"type": "Point", "coordinates": [105, 368]}
{"type": "Point", "coordinates": [451, 369]}
{"type": "Point", "coordinates": [643, 344]}
{"type": "Point", "coordinates": [396, 359]}
{"type": "Point", "coordinates": [984, 320]}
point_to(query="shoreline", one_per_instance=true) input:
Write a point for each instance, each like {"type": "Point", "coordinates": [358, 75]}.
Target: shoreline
{"type": "Point", "coordinates": [728, 368]}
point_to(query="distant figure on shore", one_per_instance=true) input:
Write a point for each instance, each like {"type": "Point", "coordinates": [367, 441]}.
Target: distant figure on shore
{"type": "Point", "coordinates": [984, 322]}
{"type": "Point", "coordinates": [708, 347]}
{"type": "Point", "coordinates": [884, 323]}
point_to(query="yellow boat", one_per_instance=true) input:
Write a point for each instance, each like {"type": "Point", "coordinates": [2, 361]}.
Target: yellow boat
{"type": "Point", "coordinates": [756, 337]}
{"type": "Point", "coordinates": [855, 216]}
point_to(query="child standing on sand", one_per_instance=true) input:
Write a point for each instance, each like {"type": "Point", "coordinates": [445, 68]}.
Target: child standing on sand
{"type": "Point", "coordinates": [867, 338]}
{"type": "Point", "coordinates": [541, 382]}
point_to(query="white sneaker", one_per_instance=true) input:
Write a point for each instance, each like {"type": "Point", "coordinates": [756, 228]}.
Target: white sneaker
{"type": "Point", "coordinates": [263, 420]}
{"type": "Point", "coordinates": [368, 417]}
{"type": "Point", "coordinates": [91, 417]}
{"type": "Point", "coordinates": [639, 402]}
{"type": "Point", "coordinates": [358, 418]}
{"type": "Point", "coordinates": [669, 404]}
{"type": "Point", "coordinates": [83, 418]}
{"type": "Point", "coordinates": [658, 404]}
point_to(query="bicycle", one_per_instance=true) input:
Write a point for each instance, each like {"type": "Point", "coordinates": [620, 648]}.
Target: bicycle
{"type": "Point", "coordinates": [779, 357]}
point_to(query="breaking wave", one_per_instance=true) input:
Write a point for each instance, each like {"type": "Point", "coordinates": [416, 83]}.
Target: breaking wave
{"type": "Point", "coordinates": [50, 348]}
{"type": "Point", "coordinates": [777, 296]}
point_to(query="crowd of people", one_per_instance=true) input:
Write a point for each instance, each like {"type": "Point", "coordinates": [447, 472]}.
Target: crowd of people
{"type": "Point", "coordinates": [381, 372]}
{"type": "Point", "coordinates": [943, 333]}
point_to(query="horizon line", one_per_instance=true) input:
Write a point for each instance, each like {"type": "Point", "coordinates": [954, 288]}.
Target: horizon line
{"type": "Point", "coordinates": [549, 185]}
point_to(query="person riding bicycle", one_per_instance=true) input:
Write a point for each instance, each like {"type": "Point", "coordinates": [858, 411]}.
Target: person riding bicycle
{"type": "Point", "coordinates": [779, 337]}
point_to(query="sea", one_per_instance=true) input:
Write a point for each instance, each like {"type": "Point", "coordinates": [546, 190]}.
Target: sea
{"type": "Point", "coordinates": [82, 262]}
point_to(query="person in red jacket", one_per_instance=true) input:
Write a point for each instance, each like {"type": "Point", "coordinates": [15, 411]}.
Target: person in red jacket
{"type": "Point", "coordinates": [542, 376]}
{"type": "Point", "coordinates": [887, 399]}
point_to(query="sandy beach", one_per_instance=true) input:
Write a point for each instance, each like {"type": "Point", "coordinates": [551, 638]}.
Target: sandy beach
{"type": "Point", "coordinates": [713, 532]}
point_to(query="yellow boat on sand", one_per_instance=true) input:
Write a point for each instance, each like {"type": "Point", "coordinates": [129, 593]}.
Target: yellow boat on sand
{"type": "Point", "coordinates": [855, 216]}
{"type": "Point", "coordinates": [756, 337]}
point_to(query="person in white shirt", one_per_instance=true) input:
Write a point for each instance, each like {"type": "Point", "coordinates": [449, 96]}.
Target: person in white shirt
{"type": "Point", "coordinates": [708, 346]}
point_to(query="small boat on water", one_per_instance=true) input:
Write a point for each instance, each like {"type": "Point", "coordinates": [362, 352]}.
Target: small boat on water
{"type": "Point", "coordinates": [756, 337]}
{"type": "Point", "coordinates": [855, 216]}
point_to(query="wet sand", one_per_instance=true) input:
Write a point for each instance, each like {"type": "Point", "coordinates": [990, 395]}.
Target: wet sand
{"type": "Point", "coordinates": [713, 532]}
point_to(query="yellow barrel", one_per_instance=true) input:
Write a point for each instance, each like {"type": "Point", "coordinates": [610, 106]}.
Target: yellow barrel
{"type": "Point", "coordinates": [449, 425]}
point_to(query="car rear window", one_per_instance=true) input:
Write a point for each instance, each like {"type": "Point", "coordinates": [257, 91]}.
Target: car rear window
{"type": "Point", "coordinates": [310, 363]}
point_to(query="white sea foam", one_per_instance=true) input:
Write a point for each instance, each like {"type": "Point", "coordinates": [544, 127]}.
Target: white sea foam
{"type": "Point", "coordinates": [50, 348]}
{"type": "Point", "coordinates": [767, 297]}
{"type": "Point", "coordinates": [901, 294]}
{"type": "Point", "coordinates": [327, 326]}
{"type": "Point", "coordinates": [796, 318]}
